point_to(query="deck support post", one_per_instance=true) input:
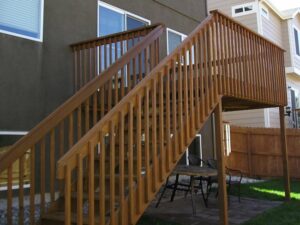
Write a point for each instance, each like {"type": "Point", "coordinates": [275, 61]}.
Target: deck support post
{"type": "Point", "coordinates": [285, 157]}
{"type": "Point", "coordinates": [223, 206]}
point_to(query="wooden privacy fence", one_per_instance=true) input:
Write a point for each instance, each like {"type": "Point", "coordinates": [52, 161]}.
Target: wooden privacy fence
{"type": "Point", "coordinates": [257, 151]}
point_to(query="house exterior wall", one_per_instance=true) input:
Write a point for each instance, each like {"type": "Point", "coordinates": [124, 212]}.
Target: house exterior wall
{"type": "Point", "coordinates": [246, 118]}
{"type": "Point", "coordinates": [295, 23]}
{"type": "Point", "coordinates": [35, 78]}
{"type": "Point", "coordinates": [226, 7]}
{"type": "Point", "coordinates": [272, 27]}
{"type": "Point", "coordinates": [286, 44]}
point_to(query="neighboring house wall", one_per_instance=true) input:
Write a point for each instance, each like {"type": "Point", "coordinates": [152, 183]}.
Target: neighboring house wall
{"type": "Point", "coordinates": [35, 78]}
{"type": "Point", "coordinates": [272, 27]}
{"type": "Point", "coordinates": [295, 23]}
{"type": "Point", "coordinates": [248, 118]}
{"type": "Point", "coordinates": [226, 7]}
{"type": "Point", "coordinates": [286, 44]}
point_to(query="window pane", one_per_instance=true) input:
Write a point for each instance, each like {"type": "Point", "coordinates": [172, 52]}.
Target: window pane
{"type": "Point", "coordinates": [110, 21]}
{"type": "Point", "coordinates": [173, 40]}
{"type": "Point", "coordinates": [21, 17]}
{"type": "Point", "coordinates": [248, 8]}
{"type": "Point", "coordinates": [133, 23]}
{"type": "Point", "coordinates": [297, 42]}
{"type": "Point", "coordinates": [238, 10]}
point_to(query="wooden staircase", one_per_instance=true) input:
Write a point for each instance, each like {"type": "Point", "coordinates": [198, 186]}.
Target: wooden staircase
{"type": "Point", "coordinates": [140, 115]}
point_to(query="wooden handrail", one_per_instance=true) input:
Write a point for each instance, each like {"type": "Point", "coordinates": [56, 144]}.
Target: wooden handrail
{"type": "Point", "coordinates": [115, 35]}
{"type": "Point", "coordinates": [165, 111]}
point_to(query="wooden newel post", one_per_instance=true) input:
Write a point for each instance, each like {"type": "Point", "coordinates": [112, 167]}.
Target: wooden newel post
{"type": "Point", "coordinates": [221, 165]}
{"type": "Point", "coordinates": [285, 157]}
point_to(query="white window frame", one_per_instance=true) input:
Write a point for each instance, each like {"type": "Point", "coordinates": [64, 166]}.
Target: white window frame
{"type": "Point", "coordinates": [265, 12]}
{"type": "Point", "coordinates": [28, 37]}
{"type": "Point", "coordinates": [183, 36]}
{"type": "Point", "coordinates": [121, 11]}
{"type": "Point", "coordinates": [298, 30]}
{"type": "Point", "coordinates": [233, 8]}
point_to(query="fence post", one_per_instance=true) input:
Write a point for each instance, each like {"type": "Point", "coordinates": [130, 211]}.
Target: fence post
{"type": "Point", "coordinates": [285, 160]}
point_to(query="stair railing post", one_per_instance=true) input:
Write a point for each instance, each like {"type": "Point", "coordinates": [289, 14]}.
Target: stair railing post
{"type": "Point", "coordinates": [285, 157]}
{"type": "Point", "coordinates": [221, 165]}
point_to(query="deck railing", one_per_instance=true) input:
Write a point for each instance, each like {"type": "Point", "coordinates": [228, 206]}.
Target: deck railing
{"type": "Point", "coordinates": [138, 143]}
{"type": "Point", "coordinates": [56, 134]}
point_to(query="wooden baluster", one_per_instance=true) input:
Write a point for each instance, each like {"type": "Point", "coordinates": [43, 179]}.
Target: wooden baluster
{"type": "Point", "coordinates": [52, 165]}
{"type": "Point", "coordinates": [154, 144]}
{"type": "Point", "coordinates": [9, 194]}
{"type": "Point", "coordinates": [87, 115]}
{"type": "Point", "coordinates": [102, 102]}
{"type": "Point", "coordinates": [122, 74]}
{"type": "Point", "coordinates": [32, 185]}
{"type": "Point", "coordinates": [80, 73]}
{"type": "Point", "coordinates": [201, 77]}
{"type": "Point", "coordinates": [140, 67]}
{"type": "Point", "coordinates": [79, 189]}
{"type": "Point", "coordinates": [42, 175]}
{"type": "Point", "coordinates": [67, 195]}
{"type": "Point", "coordinates": [75, 69]}
{"type": "Point", "coordinates": [140, 189]}
{"type": "Point", "coordinates": [147, 143]}
{"type": "Point", "coordinates": [186, 98]}
{"type": "Point", "coordinates": [134, 74]}
{"type": "Point", "coordinates": [91, 188]}
{"type": "Point", "coordinates": [210, 90]}
{"type": "Point", "coordinates": [191, 89]}
{"type": "Point", "coordinates": [219, 55]}
{"type": "Point", "coordinates": [95, 108]}
{"type": "Point", "coordinates": [174, 110]}
{"type": "Point", "coordinates": [197, 102]}
{"type": "Point", "coordinates": [214, 64]}
{"type": "Point", "coordinates": [79, 122]}
{"type": "Point", "coordinates": [130, 163]}
{"type": "Point", "coordinates": [121, 168]}
{"type": "Point", "coordinates": [180, 105]}
{"type": "Point", "coordinates": [21, 189]}
{"type": "Point", "coordinates": [71, 130]}
{"type": "Point", "coordinates": [161, 126]}
{"type": "Point", "coordinates": [85, 79]}
{"type": "Point", "coordinates": [168, 120]}
{"type": "Point", "coordinates": [102, 179]}
{"type": "Point", "coordinates": [205, 75]}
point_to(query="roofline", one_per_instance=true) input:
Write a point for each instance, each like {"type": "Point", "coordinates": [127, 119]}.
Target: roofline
{"type": "Point", "coordinates": [279, 13]}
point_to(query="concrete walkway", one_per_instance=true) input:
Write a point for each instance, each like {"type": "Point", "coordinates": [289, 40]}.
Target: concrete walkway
{"type": "Point", "coordinates": [180, 210]}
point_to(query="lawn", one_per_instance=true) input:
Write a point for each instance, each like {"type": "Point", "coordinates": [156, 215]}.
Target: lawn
{"type": "Point", "coordinates": [285, 214]}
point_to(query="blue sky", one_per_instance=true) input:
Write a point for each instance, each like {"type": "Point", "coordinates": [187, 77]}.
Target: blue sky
{"type": "Point", "coordinates": [286, 4]}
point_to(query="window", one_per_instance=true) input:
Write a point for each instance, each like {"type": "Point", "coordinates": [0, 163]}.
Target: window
{"type": "Point", "coordinates": [174, 38]}
{"type": "Point", "coordinates": [245, 9]}
{"type": "Point", "coordinates": [264, 12]}
{"type": "Point", "coordinates": [113, 20]}
{"type": "Point", "coordinates": [22, 18]}
{"type": "Point", "coordinates": [297, 41]}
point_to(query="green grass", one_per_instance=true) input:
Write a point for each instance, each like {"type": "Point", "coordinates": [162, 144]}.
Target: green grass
{"type": "Point", "coordinates": [147, 220]}
{"type": "Point", "coordinates": [269, 190]}
{"type": "Point", "coordinates": [287, 213]}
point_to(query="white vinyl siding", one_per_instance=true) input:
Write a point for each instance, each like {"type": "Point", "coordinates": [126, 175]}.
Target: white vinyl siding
{"type": "Point", "coordinates": [22, 18]}
{"type": "Point", "coordinates": [249, 20]}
